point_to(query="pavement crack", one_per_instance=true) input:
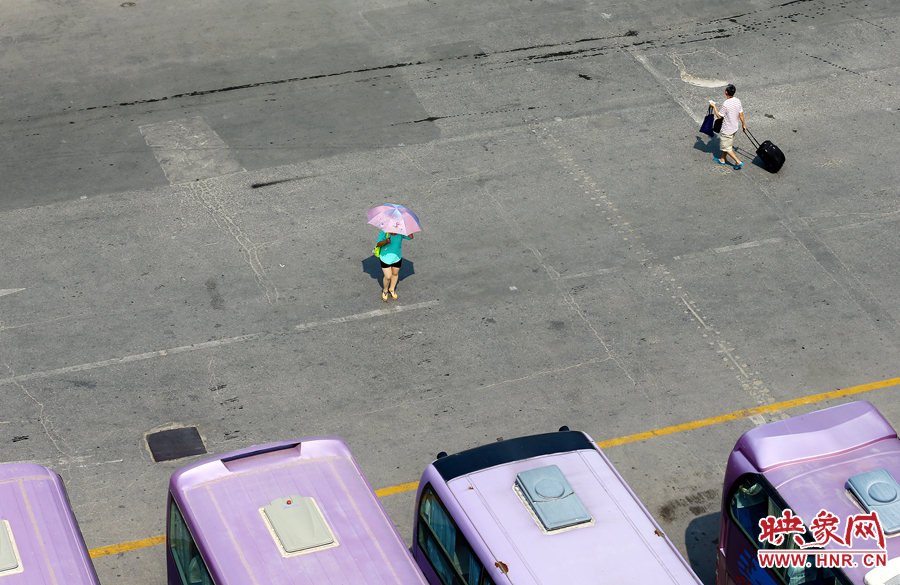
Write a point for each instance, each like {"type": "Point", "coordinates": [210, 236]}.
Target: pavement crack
{"type": "Point", "coordinates": [749, 380]}
{"type": "Point", "coordinates": [46, 423]}
{"type": "Point", "coordinates": [225, 220]}
{"type": "Point", "coordinates": [833, 265]}
{"type": "Point", "coordinates": [615, 221]}
{"type": "Point", "coordinates": [554, 277]}
{"type": "Point", "coordinates": [456, 395]}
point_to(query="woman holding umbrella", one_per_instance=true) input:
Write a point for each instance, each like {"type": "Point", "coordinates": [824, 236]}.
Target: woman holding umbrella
{"type": "Point", "coordinates": [391, 259]}
{"type": "Point", "coordinates": [397, 223]}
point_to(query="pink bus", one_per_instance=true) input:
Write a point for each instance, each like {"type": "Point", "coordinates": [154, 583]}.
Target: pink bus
{"type": "Point", "coordinates": [545, 509]}
{"type": "Point", "coordinates": [836, 472]}
{"type": "Point", "coordinates": [288, 513]}
{"type": "Point", "coordinates": [40, 543]}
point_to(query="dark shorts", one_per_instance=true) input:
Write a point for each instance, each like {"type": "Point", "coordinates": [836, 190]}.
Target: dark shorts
{"type": "Point", "coordinates": [395, 264]}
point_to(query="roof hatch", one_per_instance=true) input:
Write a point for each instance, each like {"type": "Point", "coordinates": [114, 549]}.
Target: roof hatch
{"type": "Point", "coordinates": [550, 497]}
{"type": "Point", "coordinates": [886, 575]}
{"type": "Point", "coordinates": [878, 491]}
{"type": "Point", "coordinates": [9, 557]}
{"type": "Point", "coordinates": [298, 525]}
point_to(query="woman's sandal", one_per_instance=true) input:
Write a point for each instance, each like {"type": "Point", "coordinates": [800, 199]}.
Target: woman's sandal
{"type": "Point", "coordinates": [384, 295]}
{"type": "Point", "coordinates": [393, 295]}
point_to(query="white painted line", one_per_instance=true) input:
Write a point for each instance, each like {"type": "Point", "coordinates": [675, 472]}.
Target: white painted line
{"type": "Point", "coordinates": [723, 349]}
{"type": "Point", "coordinates": [667, 85]}
{"type": "Point", "coordinates": [56, 463]}
{"type": "Point", "coordinates": [586, 274]}
{"type": "Point", "coordinates": [724, 249]}
{"type": "Point", "coordinates": [127, 359]}
{"type": "Point", "coordinates": [696, 316]}
{"type": "Point", "coordinates": [9, 291]}
{"type": "Point", "coordinates": [188, 150]}
{"type": "Point", "coordinates": [102, 463]}
{"type": "Point", "coordinates": [758, 419]}
{"type": "Point", "coordinates": [206, 345]}
{"type": "Point", "coordinates": [368, 315]}
{"type": "Point", "coordinates": [693, 79]}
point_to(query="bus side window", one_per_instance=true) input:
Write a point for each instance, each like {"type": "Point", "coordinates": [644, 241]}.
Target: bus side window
{"type": "Point", "coordinates": [445, 546]}
{"type": "Point", "coordinates": [750, 503]}
{"type": "Point", "coordinates": [191, 567]}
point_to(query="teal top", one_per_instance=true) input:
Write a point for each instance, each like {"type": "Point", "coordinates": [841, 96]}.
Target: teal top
{"type": "Point", "coordinates": [390, 253]}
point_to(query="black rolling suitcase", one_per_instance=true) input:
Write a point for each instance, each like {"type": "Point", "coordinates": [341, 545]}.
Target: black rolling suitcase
{"type": "Point", "coordinates": [770, 154]}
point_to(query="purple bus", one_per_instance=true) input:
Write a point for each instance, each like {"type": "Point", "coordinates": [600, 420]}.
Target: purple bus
{"type": "Point", "coordinates": [833, 469]}
{"type": "Point", "coordinates": [287, 513]}
{"type": "Point", "coordinates": [543, 509]}
{"type": "Point", "coordinates": [40, 543]}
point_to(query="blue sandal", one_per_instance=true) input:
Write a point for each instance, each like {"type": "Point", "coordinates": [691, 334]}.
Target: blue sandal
{"type": "Point", "coordinates": [721, 162]}
{"type": "Point", "coordinates": [737, 167]}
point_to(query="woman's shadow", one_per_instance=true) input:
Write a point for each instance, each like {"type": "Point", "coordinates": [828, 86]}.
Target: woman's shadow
{"type": "Point", "coordinates": [372, 267]}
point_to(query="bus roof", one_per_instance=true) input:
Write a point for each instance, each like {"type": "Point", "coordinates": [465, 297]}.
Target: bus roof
{"type": "Point", "coordinates": [814, 435]}
{"type": "Point", "coordinates": [45, 543]}
{"type": "Point", "coordinates": [809, 459]}
{"type": "Point", "coordinates": [221, 499]}
{"type": "Point", "coordinates": [623, 542]}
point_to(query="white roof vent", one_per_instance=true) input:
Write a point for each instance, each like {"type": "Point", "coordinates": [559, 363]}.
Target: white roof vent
{"type": "Point", "coordinates": [551, 498]}
{"type": "Point", "coordinates": [9, 554]}
{"type": "Point", "coordinates": [298, 525]}
{"type": "Point", "coordinates": [889, 574]}
{"type": "Point", "coordinates": [878, 491]}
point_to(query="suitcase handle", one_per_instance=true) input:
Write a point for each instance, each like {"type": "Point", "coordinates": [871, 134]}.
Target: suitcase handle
{"type": "Point", "coordinates": [753, 140]}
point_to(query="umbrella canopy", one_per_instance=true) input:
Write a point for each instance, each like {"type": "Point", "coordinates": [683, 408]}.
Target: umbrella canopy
{"type": "Point", "coordinates": [394, 219]}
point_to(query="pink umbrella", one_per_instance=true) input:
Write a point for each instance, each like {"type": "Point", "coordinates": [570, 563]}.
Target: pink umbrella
{"type": "Point", "coordinates": [394, 219]}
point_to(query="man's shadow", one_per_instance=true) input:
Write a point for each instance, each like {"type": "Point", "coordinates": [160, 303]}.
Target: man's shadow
{"type": "Point", "coordinates": [372, 267]}
{"type": "Point", "coordinates": [711, 146]}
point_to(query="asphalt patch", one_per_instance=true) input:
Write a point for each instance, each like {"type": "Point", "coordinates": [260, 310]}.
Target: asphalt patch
{"type": "Point", "coordinates": [175, 444]}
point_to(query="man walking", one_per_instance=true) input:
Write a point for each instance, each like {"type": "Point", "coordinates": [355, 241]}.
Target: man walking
{"type": "Point", "coordinates": [732, 113]}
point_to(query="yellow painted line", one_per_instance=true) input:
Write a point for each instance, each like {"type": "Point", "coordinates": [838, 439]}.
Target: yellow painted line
{"type": "Point", "coordinates": [736, 415]}
{"type": "Point", "coordinates": [406, 487]}
{"type": "Point", "coordinates": [739, 414]}
{"type": "Point", "coordinates": [127, 546]}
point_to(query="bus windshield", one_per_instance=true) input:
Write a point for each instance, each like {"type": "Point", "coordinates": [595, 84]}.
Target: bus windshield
{"type": "Point", "coordinates": [811, 500]}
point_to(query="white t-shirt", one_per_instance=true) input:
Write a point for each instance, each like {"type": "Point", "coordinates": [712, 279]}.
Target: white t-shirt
{"type": "Point", "coordinates": [731, 109]}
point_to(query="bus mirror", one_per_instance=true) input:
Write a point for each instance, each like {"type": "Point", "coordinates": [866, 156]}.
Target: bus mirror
{"type": "Point", "coordinates": [563, 429]}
